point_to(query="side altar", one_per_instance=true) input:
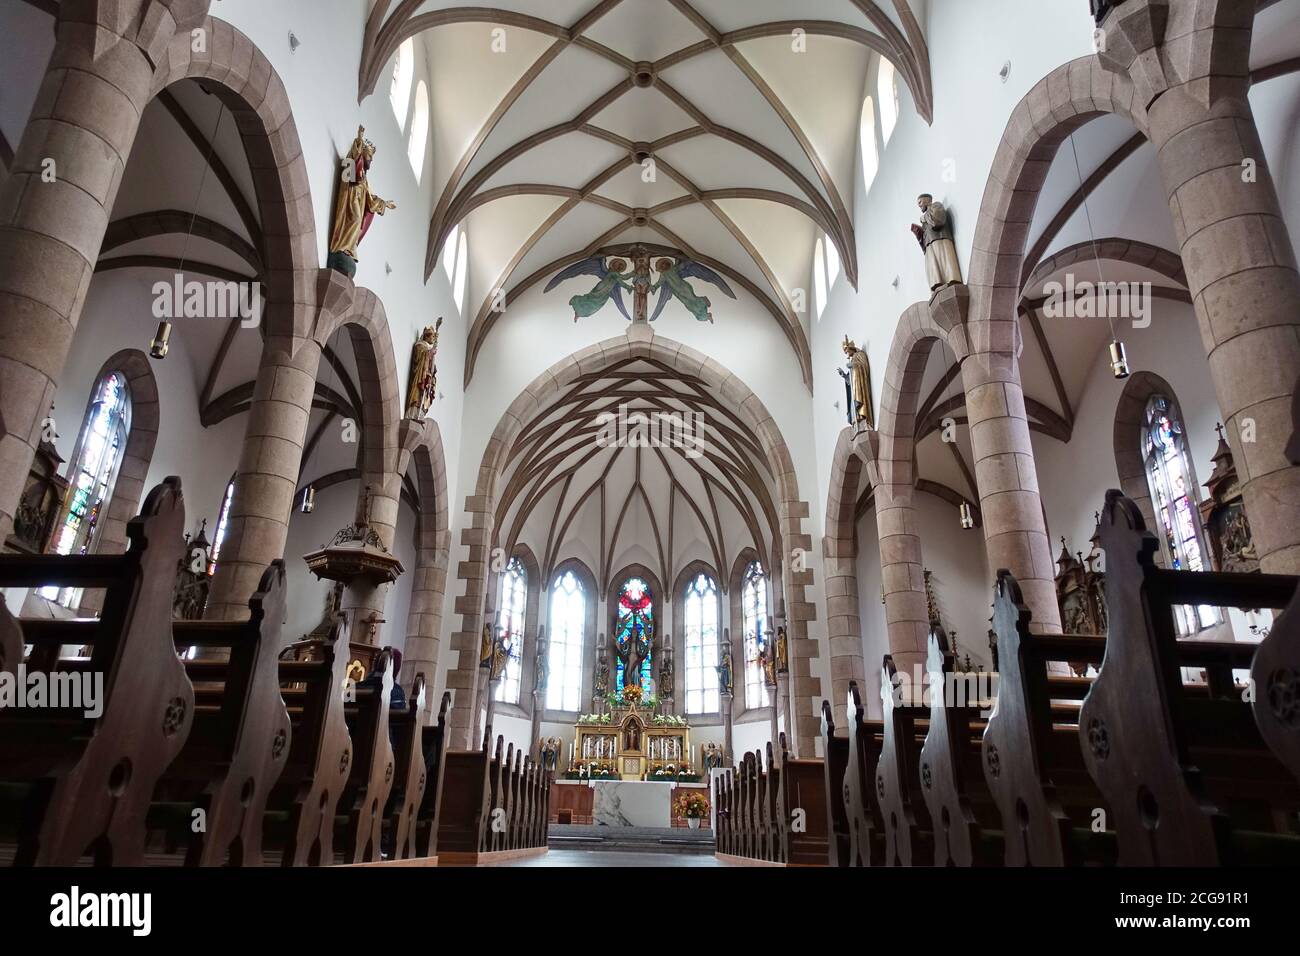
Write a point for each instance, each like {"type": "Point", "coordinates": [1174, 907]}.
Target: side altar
{"type": "Point", "coordinates": [628, 742]}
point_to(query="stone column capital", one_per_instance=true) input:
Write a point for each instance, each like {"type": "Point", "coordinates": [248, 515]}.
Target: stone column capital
{"type": "Point", "coordinates": [149, 24]}
{"type": "Point", "coordinates": [1164, 44]}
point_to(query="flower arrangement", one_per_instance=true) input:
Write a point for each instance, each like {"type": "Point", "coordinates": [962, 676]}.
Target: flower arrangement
{"type": "Point", "coordinates": [632, 695]}
{"type": "Point", "coordinates": [692, 806]}
{"type": "Point", "coordinates": [668, 720]}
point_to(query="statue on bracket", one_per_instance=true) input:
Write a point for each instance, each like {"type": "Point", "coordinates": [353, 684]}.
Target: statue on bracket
{"type": "Point", "coordinates": [857, 385]}
{"type": "Point", "coordinates": [934, 233]}
{"type": "Point", "coordinates": [725, 684]}
{"type": "Point", "coordinates": [782, 650]}
{"type": "Point", "coordinates": [356, 206]}
{"type": "Point", "coordinates": [666, 677]}
{"type": "Point", "coordinates": [424, 372]}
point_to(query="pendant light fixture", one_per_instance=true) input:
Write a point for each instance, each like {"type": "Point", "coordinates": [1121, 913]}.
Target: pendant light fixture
{"type": "Point", "coordinates": [1119, 366]}
{"type": "Point", "coordinates": [966, 516]}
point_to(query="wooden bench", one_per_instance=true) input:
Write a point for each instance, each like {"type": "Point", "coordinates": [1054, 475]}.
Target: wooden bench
{"type": "Point", "coordinates": [1188, 777]}
{"type": "Point", "coordinates": [909, 837]}
{"type": "Point", "coordinates": [82, 785]}
{"type": "Point", "coordinates": [435, 758]}
{"type": "Point", "coordinates": [401, 817]}
{"type": "Point", "coordinates": [836, 750]}
{"type": "Point", "coordinates": [301, 810]}
{"type": "Point", "coordinates": [861, 801]}
{"type": "Point", "coordinates": [1051, 811]}
{"type": "Point", "coordinates": [965, 825]}
{"type": "Point", "coordinates": [359, 817]}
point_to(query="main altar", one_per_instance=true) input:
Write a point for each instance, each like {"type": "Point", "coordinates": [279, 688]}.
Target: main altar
{"type": "Point", "coordinates": [627, 742]}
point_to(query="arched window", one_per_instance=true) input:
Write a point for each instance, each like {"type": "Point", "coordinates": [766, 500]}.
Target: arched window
{"type": "Point", "coordinates": [461, 279]}
{"type": "Point", "coordinates": [1173, 493]}
{"type": "Point", "coordinates": [568, 624]}
{"type": "Point", "coordinates": [753, 609]}
{"type": "Point", "coordinates": [510, 618]}
{"type": "Point", "coordinates": [701, 615]}
{"type": "Point", "coordinates": [636, 622]}
{"type": "Point", "coordinates": [419, 131]}
{"type": "Point", "coordinates": [449, 250]}
{"type": "Point", "coordinates": [870, 146]}
{"type": "Point", "coordinates": [887, 91]}
{"type": "Point", "coordinates": [819, 277]}
{"type": "Point", "coordinates": [223, 525]}
{"type": "Point", "coordinates": [832, 263]}
{"type": "Point", "coordinates": [92, 474]}
{"type": "Point", "coordinates": [399, 92]}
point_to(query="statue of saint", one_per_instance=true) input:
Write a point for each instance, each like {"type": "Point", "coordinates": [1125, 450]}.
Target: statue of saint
{"type": "Point", "coordinates": [782, 650]}
{"type": "Point", "coordinates": [500, 657]}
{"type": "Point", "coordinates": [666, 678]}
{"type": "Point", "coordinates": [857, 385]}
{"type": "Point", "coordinates": [356, 208]}
{"type": "Point", "coordinates": [543, 663]}
{"type": "Point", "coordinates": [725, 684]}
{"type": "Point", "coordinates": [632, 735]}
{"type": "Point", "coordinates": [934, 233]}
{"type": "Point", "coordinates": [600, 686]}
{"type": "Point", "coordinates": [485, 647]}
{"type": "Point", "coordinates": [424, 372]}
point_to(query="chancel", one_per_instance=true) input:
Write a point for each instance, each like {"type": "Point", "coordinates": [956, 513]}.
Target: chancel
{"type": "Point", "coordinates": [649, 433]}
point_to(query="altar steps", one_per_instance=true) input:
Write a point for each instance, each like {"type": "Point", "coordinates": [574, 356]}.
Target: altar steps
{"type": "Point", "coordinates": [630, 839]}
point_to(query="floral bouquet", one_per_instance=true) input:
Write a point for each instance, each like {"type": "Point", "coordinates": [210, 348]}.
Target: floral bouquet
{"type": "Point", "coordinates": [692, 806]}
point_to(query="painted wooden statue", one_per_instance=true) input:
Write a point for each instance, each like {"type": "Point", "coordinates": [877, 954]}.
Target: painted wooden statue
{"type": "Point", "coordinates": [424, 373]}
{"type": "Point", "coordinates": [857, 385]}
{"type": "Point", "coordinates": [934, 233]}
{"type": "Point", "coordinates": [356, 208]}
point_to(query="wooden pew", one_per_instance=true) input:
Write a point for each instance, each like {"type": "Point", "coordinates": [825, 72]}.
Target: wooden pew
{"type": "Point", "coordinates": [359, 818]}
{"type": "Point", "coordinates": [861, 802]}
{"type": "Point", "coordinates": [909, 837]}
{"type": "Point", "coordinates": [776, 819]}
{"type": "Point", "coordinates": [722, 813]}
{"type": "Point", "coordinates": [964, 817]}
{"type": "Point", "coordinates": [836, 749]}
{"type": "Point", "coordinates": [301, 810]}
{"type": "Point", "coordinates": [241, 734]}
{"type": "Point", "coordinates": [1188, 777]}
{"type": "Point", "coordinates": [435, 758]}
{"type": "Point", "coordinates": [1275, 671]}
{"type": "Point", "coordinates": [803, 796]}
{"type": "Point", "coordinates": [465, 805]}
{"type": "Point", "coordinates": [1035, 772]}
{"type": "Point", "coordinates": [84, 784]}
{"type": "Point", "coordinates": [406, 799]}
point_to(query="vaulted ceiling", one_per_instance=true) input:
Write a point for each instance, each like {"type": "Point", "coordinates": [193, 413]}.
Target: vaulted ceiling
{"type": "Point", "coordinates": [662, 495]}
{"type": "Point", "coordinates": [725, 131]}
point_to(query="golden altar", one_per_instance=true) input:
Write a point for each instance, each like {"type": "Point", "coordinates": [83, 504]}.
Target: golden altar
{"type": "Point", "coordinates": [631, 743]}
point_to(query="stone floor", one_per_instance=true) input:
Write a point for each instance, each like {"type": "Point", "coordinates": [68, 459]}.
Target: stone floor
{"type": "Point", "coordinates": [615, 858]}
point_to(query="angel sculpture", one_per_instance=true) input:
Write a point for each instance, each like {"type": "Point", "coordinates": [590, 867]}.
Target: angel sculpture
{"type": "Point", "coordinates": [613, 280]}
{"type": "Point", "coordinates": [672, 282]}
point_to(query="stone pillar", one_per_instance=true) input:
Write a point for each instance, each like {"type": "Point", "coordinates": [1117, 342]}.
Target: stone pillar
{"type": "Point", "coordinates": [783, 691]}
{"type": "Point", "coordinates": [727, 700]}
{"type": "Point", "coordinates": [1015, 532]}
{"type": "Point", "coordinates": [843, 619]}
{"type": "Point", "coordinates": [539, 704]}
{"type": "Point", "coordinates": [774, 691]}
{"type": "Point", "coordinates": [901, 577]}
{"type": "Point", "coordinates": [267, 478]}
{"type": "Point", "coordinates": [56, 201]}
{"type": "Point", "coordinates": [1190, 64]}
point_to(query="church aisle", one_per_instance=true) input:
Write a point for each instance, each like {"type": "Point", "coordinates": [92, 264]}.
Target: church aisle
{"type": "Point", "coordinates": [615, 858]}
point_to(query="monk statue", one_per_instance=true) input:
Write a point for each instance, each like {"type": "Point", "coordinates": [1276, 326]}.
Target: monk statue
{"type": "Point", "coordinates": [857, 385]}
{"type": "Point", "coordinates": [356, 208]}
{"type": "Point", "coordinates": [424, 373]}
{"type": "Point", "coordinates": [934, 233]}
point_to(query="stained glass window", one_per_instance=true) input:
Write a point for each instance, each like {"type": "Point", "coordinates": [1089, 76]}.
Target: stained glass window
{"type": "Point", "coordinates": [753, 608]}
{"type": "Point", "coordinates": [635, 623]}
{"type": "Point", "coordinates": [510, 617]}
{"type": "Point", "coordinates": [92, 474]}
{"type": "Point", "coordinates": [223, 525]}
{"type": "Point", "coordinates": [702, 646]}
{"type": "Point", "coordinates": [567, 638]}
{"type": "Point", "coordinates": [1173, 492]}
